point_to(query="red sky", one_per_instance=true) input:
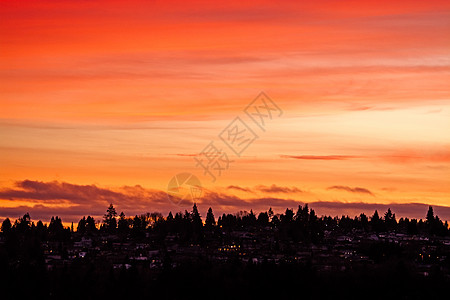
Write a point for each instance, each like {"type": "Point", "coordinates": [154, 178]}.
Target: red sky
{"type": "Point", "coordinates": [105, 101]}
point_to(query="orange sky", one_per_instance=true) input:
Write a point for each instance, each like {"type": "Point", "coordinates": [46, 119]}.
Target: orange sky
{"type": "Point", "coordinates": [105, 101]}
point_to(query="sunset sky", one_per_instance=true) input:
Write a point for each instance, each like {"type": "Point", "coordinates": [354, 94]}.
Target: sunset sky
{"type": "Point", "coordinates": [105, 101]}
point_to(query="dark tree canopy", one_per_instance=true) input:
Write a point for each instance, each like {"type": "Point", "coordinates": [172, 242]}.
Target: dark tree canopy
{"type": "Point", "coordinates": [6, 225]}
{"type": "Point", "coordinates": [109, 219]}
{"type": "Point", "coordinates": [210, 222]}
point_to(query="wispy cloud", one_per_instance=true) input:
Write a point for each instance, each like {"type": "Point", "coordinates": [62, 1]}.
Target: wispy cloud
{"type": "Point", "coordinates": [188, 155]}
{"type": "Point", "coordinates": [278, 189]}
{"type": "Point", "coordinates": [239, 188]}
{"type": "Point", "coordinates": [87, 198]}
{"type": "Point", "coordinates": [229, 203]}
{"type": "Point", "coordinates": [320, 157]}
{"type": "Point", "coordinates": [71, 201]}
{"type": "Point", "coordinates": [275, 189]}
{"type": "Point", "coordinates": [414, 156]}
{"type": "Point", "coordinates": [350, 189]}
{"type": "Point", "coordinates": [403, 156]}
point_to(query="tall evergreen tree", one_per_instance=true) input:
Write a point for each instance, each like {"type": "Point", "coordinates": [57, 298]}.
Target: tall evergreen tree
{"type": "Point", "coordinates": [364, 221]}
{"type": "Point", "coordinates": [430, 215]}
{"type": "Point", "coordinates": [123, 225]}
{"type": "Point", "coordinates": [263, 219]}
{"type": "Point", "coordinates": [81, 228]}
{"type": "Point", "coordinates": [389, 220]}
{"type": "Point", "coordinates": [288, 216]}
{"type": "Point", "coordinates": [109, 219]}
{"type": "Point", "coordinates": [6, 226]}
{"type": "Point", "coordinates": [210, 222]}
{"type": "Point", "coordinates": [90, 225]}
{"type": "Point", "coordinates": [376, 222]}
{"type": "Point", "coordinates": [270, 214]}
{"type": "Point", "coordinates": [23, 224]}
{"type": "Point", "coordinates": [196, 219]}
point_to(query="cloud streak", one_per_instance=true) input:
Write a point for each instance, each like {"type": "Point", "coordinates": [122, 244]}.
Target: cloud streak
{"type": "Point", "coordinates": [70, 201]}
{"type": "Point", "coordinates": [66, 197]}
{"type": "Point", "coordinates": [350, 189]}
{"type": "Point", "coordinates": [278, 189]}
{"type": "Point", "coordinates": [320, 157]}
{"type": "Point", "coordinates": [239, 188]}
{"type": "Point", "coordinates": [273, 189]}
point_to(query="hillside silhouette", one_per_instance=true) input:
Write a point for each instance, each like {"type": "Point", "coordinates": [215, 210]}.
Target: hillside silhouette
{"type": "Point", "coordinates": [151, 254]}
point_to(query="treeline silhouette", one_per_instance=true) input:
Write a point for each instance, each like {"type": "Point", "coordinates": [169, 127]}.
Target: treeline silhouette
{"type": "Point", "coordinates": [302, 225]}
{"type": "Point", "coordinates": [24, 269]}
